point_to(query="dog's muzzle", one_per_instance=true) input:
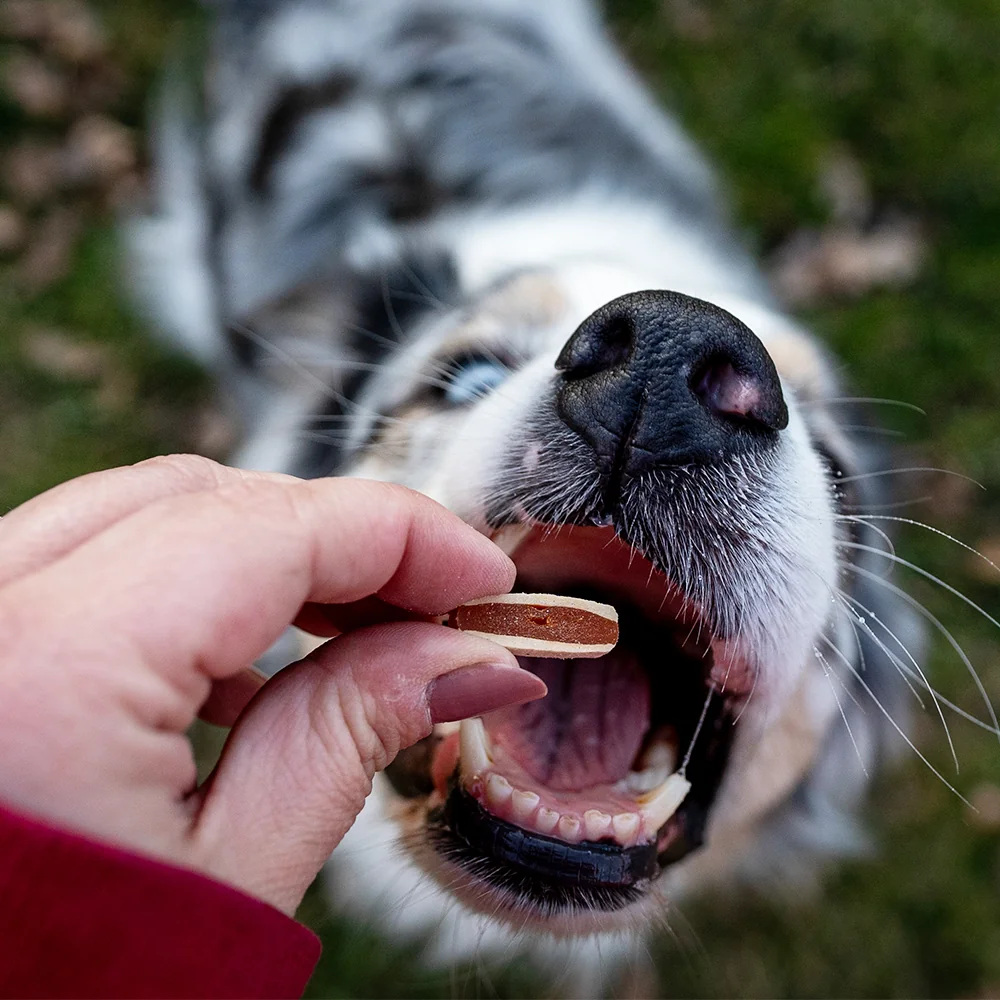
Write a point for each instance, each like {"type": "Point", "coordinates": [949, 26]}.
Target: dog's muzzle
{"type": "Point", "coordinates": [634, 482]}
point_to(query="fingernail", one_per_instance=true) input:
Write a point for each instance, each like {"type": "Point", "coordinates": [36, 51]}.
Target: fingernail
{"type": "Point", "coordinates": [481, 688]}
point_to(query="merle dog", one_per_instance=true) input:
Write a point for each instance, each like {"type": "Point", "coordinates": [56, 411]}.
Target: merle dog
{"type": "Point", "coordinates": [456, 246]}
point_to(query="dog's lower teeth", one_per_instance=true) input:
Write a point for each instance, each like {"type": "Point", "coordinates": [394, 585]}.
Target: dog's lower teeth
{"type": "Point", "coordinates": [546, 820]}
{"type": "Point", "coordinates": [570, 829]}
{"type": "Point", "coordinates": [656, 802]}
{"type": "Point", "coordinates": [523, 805]}
{"type": "Point", "coordinates": [498, 791]}
{"type": "Point", "coordinates": [596, 824]}
{"type": "Point", "coordinates": [626, 828]}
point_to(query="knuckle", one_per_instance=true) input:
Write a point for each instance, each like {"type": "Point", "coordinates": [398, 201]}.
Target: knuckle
{"type": "Point", "coordinates": [276, 508]}
{"type": "Point", "coordinates": [358, 720]}
{"type": "Point", "coordinates": [354, 721]}
{"type": "Point", "coordinates": [185, 470]}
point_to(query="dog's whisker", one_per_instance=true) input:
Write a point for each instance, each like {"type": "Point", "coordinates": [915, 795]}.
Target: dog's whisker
{"type": "Point", "coordinates": [951, 640]}
{"type": "Point", "coordinates": [356, 364]}
{"type": "Point", "coordinates": [873, 400]}
{"type": "Point", "coordinates": [828, 673]}
{"type": "Point", "coordinates": [894, 505]}
{"type": "Point", "coordinates": [919, 674]}
{"type": "Point", "coordinates": [855, 620]}
{"type": "Point", "coordinates": [900, 561]}
{"type": "Point", "coordinates": [868, 429]}
{"type": "Point", "coordinates": [936, 531]}
{"type": "Point", "coordinates": [855, 700]}
{"type": "Point", "coordinates": [390, 346]}
{"type": "Point", "coordinates": [862, 620]}
{"type": "Point", "coordinates": [426, 296]}
{"type": "Point", "coordinates": [856, 519]}
{"type": "Point", "coordinates": [861, 476]}
{"type": "Point", "coordinates": [906, 739]}
{"type": "Point", "coordinates": [320, 384]}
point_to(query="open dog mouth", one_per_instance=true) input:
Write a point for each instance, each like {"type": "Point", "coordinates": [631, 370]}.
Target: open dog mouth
{"type": "Point", "coordinates": [584, 796]}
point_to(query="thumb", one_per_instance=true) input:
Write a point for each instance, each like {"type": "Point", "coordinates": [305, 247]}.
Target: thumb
{"type": "Point", "coordinates": [299, 763]}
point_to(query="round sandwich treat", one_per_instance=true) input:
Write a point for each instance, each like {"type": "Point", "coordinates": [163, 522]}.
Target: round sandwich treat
{"type": "Point", "coordinates": [545, 625]}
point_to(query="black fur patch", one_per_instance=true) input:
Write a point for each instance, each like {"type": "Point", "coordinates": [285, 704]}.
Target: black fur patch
{"type": "Point", "coordinates": [294, 105]}
{"type": "Point", "coordinates": [388, 305]}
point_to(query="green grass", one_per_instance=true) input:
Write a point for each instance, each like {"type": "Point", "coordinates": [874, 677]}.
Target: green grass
{"type": "Point", "coordinates": [912, 90]}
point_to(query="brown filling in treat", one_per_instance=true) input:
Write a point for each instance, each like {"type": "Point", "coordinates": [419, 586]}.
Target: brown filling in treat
{"type": "Point", "coordinates": [542, 625]}
{"type": "Point", "coordinates": [551, 623]}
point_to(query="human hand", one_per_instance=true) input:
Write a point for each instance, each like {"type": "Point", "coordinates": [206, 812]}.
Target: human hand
{"type": "Point", "coordinates": [133, 599]}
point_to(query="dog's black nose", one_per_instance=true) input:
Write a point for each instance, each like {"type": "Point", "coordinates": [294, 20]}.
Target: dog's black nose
{"type": "Point", "coordinates": [658, 379]}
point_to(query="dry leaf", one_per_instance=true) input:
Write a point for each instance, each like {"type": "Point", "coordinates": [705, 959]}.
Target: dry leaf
{"type": "Point", "coordinates": [845, 262]}
{"type": "Point", "coordinates": [40, 90]}
{"type": "Point", "coordinates": [13, 230]}
{"type": "Point", "coordinates": [985, 801]}
{"type": "Point", "coordinates": [32, 171]}
{"type": "Point", "coordinates": [49, 253]}
{"type": "Point", "coordinates": [98, 150]}
{"type": "Point", "coordinates": [24, 20]}
{"type": "Point", "coordinates": [74, 33]}
{"type": "Point", "coordinates": [63, 356]}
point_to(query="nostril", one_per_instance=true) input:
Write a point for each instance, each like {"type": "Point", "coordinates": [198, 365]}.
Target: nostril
{"type": "Point", "coordinates": [727, 392]}
{"type": "Point", "coordinates": [656, 379]}
{"type": "Point", "coordinates": [592, 351]}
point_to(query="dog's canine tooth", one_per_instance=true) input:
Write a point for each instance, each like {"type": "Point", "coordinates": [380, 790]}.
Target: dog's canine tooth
{"type": "Point", "coordinates": [659, 805]}
{"type": "Point", "coordinates": [474, 748]}
{"type": "Point", "coordinates": [510, 536]}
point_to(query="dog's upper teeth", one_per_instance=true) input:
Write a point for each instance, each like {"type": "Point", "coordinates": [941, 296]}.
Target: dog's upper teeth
{"type": "Point", "coordinates": [510, 536]}
{"type": "Point", "coordinates": [660, 754]}
{"type": "Point", "coordinates": [474, 748]}
{"type": "Point", "coordinates": [655, 766]}
{"type": "Point", "coordinates": [657, 806]}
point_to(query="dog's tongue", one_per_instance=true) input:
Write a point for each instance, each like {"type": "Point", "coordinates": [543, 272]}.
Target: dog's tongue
{"type": "Point", "coordinates": [587, 730]}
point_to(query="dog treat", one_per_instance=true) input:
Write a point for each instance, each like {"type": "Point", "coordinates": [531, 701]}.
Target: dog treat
{"type": "Point", "coordinates": [545, 625]}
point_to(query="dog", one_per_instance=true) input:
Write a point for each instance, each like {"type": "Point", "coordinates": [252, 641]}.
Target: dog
{"type": "Point", "coordinates": [455, 245]}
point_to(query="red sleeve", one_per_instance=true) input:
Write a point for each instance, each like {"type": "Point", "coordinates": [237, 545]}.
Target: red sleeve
{"type": "Point", "coordinates": [83, 919]}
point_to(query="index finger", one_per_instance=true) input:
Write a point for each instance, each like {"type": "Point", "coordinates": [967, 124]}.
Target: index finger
{"type": "Point", "coordinates": [50, 525]}
{"type": "Point", "coordinates": [208, 581]}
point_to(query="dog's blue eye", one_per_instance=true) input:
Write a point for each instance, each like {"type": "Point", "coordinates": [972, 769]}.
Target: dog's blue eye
{"type": "Point", "coordinates": [471, 378]}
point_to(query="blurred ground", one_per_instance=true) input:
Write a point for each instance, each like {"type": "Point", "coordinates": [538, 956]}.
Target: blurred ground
{"type": "Point", "coordinates": [860, 142]}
